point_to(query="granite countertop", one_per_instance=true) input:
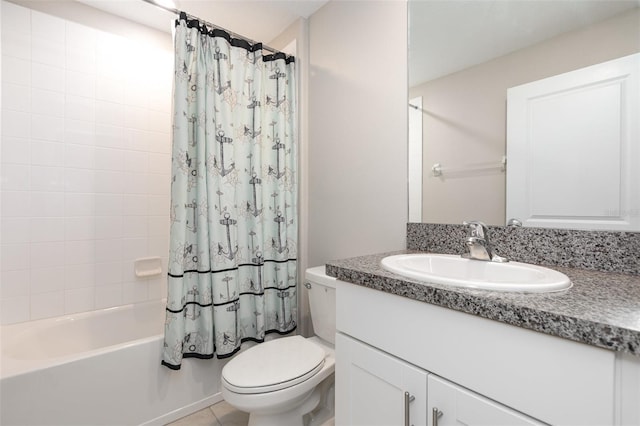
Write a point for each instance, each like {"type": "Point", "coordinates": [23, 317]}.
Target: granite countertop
{"type": "Point", "coordinates": [600, 309]}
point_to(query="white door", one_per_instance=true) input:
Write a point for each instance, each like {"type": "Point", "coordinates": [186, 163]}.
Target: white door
{"type": "Point", "coordinates": [374, 388]}
{"type": "Point", "coordinates": [458, 406]}
{"type": "Point", "coordinates": [415, 159]}
{"type": "Point", "coordinates": [573, 148]}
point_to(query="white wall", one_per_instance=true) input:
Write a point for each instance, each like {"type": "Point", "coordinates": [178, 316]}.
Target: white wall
{"type": "Point", "coordinates": [85, 163]}
{"type": "Point", "coordinates": [357, 129]}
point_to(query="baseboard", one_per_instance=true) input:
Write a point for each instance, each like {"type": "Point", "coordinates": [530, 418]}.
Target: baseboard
{"type": "Point", "coordinates": [184, 411]}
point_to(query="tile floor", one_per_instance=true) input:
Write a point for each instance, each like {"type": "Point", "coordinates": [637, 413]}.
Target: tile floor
{"type": "Point", "coordinates": [220, 414]}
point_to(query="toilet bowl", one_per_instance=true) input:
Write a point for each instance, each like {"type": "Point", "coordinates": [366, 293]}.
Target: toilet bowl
{"type": "Point", "coordinates": [289, 381]}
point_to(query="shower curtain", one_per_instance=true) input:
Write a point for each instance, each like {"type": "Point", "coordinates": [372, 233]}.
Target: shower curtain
{"type": "Point", "coordinates": [232, 261]}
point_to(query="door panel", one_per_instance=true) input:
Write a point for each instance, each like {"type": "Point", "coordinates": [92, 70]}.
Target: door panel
{"type": "Point", "coordinates": [573, 148]}
{"type": "Point", "coordinates": [371, 386]}
{"type": "Point", "coordinates": [459, 406]}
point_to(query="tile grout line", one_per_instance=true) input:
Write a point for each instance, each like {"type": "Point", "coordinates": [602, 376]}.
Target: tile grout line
{"type": "Point", "coordinates": [218, 422]}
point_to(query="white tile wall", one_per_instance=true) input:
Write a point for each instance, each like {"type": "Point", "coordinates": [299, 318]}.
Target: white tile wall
{"type": "Point", "coordinates": [85, 166]}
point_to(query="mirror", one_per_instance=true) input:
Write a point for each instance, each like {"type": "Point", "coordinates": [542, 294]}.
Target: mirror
{"type": "Point", "coordinates": [463, 56]}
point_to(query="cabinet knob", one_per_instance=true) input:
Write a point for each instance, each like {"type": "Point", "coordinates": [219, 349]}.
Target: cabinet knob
{"type": "Point", "coordinates": [435, 415]}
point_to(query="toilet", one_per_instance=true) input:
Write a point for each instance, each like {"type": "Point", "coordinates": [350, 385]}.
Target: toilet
{"type": "Point", "coordinates": [289, 381]}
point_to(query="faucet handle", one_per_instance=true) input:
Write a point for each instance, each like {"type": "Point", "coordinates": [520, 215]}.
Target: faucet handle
{"type": "Point", "coordinates": [513, 222]}
{"type": "Point", "coordinates": [478, 229]}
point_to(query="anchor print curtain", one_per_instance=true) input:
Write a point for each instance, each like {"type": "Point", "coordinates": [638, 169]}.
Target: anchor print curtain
{"type": "Point", "coordinates": [232, 260]}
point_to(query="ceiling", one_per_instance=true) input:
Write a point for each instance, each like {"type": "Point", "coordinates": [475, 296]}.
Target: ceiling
{"type": "Point", "coordinates": [446, 36]}
{"type": "Point", "coordinates": [259, 20]}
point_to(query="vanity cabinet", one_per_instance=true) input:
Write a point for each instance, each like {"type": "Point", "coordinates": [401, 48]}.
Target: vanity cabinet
{"type": "Point", "coordinates": [382, 390]}
{"type": "Point", "coordinates": [475, 370]}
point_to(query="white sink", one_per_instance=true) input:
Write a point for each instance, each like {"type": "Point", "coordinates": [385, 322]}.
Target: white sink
{"type": "Point", "coordinates": [457, 271]}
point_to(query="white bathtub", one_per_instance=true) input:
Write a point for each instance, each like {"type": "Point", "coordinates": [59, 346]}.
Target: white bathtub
{"type": "Point", "coordinates": [99, 368]}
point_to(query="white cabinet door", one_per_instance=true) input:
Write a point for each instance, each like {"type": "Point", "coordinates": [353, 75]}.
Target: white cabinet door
{"type": "Point", "coordinates": [573, 146]}
{"type": "Point", "coordinates": [459, 406]}
{"type": "Point", "coordinates": [372, 387]}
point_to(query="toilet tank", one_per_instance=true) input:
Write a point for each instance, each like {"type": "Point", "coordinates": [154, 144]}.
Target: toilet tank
{"type": "Point", "coordinates": [322, 303]}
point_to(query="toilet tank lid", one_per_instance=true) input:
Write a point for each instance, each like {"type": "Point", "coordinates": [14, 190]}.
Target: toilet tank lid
{"type": "Point", "coordinates": [318, 275]}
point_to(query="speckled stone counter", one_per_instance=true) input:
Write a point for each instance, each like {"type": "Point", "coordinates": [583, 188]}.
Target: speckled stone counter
{"type": "Point", "coordinates": [595, 250]}
{"type": "Point", "coordinates": [601, 309]}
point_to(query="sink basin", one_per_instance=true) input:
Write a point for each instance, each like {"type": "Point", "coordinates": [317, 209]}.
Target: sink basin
{"type": "Point", "coordinates": [457, 271]}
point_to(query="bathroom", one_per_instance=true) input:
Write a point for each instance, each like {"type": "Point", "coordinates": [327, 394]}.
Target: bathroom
{"type": "Point", "coordinates": [350, 205]}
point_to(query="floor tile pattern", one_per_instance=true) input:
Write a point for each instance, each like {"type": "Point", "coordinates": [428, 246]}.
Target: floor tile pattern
{"type": "Point", "coordinates": [220, 414]}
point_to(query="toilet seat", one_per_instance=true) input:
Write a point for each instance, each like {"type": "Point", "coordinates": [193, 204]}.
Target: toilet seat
{"type": "Point", "coordinates": [274, 365]}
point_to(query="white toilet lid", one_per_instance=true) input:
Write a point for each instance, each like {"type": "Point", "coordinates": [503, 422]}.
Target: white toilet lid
{"type": "Point", "coordinates": [273, 365]}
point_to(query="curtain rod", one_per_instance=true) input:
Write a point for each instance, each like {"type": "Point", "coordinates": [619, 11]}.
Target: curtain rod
{"type": "Point", "coordinates": [218, 27]}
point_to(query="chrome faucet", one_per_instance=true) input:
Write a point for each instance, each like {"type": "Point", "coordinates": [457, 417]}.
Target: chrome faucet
{"type": "Point", "coordinates": [478, 243]}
